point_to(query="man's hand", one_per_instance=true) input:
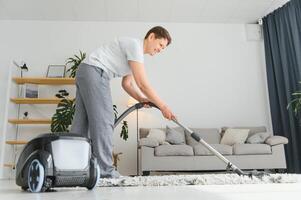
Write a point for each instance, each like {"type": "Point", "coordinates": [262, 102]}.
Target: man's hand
{"type": "Point", "coordinates": [167, 113]}
{"type": "Point", "coordinates": [145, 100]}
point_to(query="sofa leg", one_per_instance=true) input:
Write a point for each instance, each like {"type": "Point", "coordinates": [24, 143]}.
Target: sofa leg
{"type": "Point", "coordinates": [145, 173]}
{"type": "Point", "coordinates": [281, 171]}
{"type": "Point", "coordinates": [271, 171]}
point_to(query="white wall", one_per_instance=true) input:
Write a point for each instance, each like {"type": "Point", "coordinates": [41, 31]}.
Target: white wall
{"type": "Point", "coordinates": [211, 76]}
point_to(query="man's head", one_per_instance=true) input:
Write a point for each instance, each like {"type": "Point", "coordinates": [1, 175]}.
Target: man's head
{"type": "Point", "coordinates": [156, 40]}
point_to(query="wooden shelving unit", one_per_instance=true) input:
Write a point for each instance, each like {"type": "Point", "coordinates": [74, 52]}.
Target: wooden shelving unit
{"type": "Point", "coordinates": [35, 100]}
{"type": "Point", "coordinates": [29, 121]}
{"type": "Point", "coordinates": [44, 81]}
{"type": "Point", "coordinates": [16, 142]}
{"type": "Point", "coordinates": [18, 100]}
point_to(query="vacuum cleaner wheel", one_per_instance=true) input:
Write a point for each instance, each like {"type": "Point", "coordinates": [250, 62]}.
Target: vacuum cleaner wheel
{"type": "Point", "coordinates": [36, 176]}
{"type": "Point", "coordinates": [97, 175]}
{"type": "Point", "coordinates": [95, 178]}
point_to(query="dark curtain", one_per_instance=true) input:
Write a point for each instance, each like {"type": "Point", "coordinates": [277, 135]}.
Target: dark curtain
{"type": "Point", "coordinates": [282, 40]}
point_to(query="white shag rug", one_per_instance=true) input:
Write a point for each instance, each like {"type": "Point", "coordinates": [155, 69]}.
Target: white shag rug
{"type": "Point", "coordinates": [206, 179]}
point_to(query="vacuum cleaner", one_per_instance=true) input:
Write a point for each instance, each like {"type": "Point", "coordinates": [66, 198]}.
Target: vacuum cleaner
{"type": "Point", "coordinates": [57, 160]}
{"type": "Point", "coordinates": [229, 166]}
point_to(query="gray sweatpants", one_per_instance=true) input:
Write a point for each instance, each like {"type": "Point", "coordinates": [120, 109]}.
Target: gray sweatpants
{"type": "Point", "coordinates": [94, 113]}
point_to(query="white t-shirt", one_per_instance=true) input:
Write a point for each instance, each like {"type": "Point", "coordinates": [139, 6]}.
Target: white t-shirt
{"type": "Point", "coordinates": [113, 57]}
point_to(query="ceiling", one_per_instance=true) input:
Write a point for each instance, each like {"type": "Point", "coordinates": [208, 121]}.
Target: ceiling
{"type": "Point", "coordinates": [177, 11]}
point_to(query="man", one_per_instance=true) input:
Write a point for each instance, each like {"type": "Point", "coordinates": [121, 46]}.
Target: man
{"type": "Point", "coordinates": [124, 57]}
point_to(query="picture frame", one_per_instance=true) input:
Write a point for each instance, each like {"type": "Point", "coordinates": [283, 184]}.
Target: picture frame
{"type": "Point", "coordinates": [56, 71]}
{"type": "Point", "coordinates": [31, 90]}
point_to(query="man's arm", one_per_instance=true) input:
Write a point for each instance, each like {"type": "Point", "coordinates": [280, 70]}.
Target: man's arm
{"type": "Point", "coordinates": [141, 80]}
{"type": "Point", "coordinates": [127, 85]}
{"type": "Point", "coordinates": [142, 83]}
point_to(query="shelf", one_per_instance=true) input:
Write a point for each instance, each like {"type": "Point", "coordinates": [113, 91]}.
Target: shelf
{"type": "Point", "coordinates": [45, 81]}
{"type": "Point", "coordinates": [29, 121]}
{"type": "Point", "coordinates": [9, 165]}
{"type": "Point", "coordinates": [16, 142]}
{"type": "Point", "coordinates": [35, 100]}
{"type": "Point", "coordinates": [12, 145]}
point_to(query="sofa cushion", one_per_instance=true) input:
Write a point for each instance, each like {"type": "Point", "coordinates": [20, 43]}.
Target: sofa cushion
{"type": "Point", "coordinates": [276, 139]}
{"type": "Point", "coordinates": [174, 136]}
{"type": "Point", "coordinates": [174, 150]}
{"type": "Point", "coordinates": [258, 138]}
{"type": "Point", "coordinates": [235, 136]}
{"type": "Point", "coordinates": [143, 132]}
{"type": "Point", "coordinates": [253, 129]}
{"type": "Point", "coordinates": [210, 135]}
{"type": "Point", "coordinates": [157, 134]}
{"type": "Point", "coordinates": [250, 149]}
{"type": "Point", "coordinates": [201, 150]}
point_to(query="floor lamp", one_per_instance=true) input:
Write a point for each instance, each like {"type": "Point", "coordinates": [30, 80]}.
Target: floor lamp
{"type": "Point", "coordinates": [130, 103]}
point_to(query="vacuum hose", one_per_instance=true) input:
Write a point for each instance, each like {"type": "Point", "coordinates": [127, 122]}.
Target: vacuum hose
{"type": "Point", "coordinates": [137, 106]}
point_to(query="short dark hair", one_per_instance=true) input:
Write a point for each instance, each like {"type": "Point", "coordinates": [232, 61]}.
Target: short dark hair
{"type": "Point", "coordinates": [159, 32]}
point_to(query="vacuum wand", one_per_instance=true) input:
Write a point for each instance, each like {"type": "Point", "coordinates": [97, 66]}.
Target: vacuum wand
{"type": "Point", "coordinates": [195, 136]}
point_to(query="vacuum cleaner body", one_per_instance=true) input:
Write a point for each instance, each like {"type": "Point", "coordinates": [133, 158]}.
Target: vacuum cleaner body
{"type": "Point", "coordinates": [57, 160]}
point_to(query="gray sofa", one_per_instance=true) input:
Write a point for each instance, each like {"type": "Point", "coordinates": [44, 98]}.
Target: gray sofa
{"type": "Point", "coordinates": [193, 156]}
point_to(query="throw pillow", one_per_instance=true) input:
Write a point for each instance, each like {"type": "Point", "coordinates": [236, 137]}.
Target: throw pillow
{"type": "Point", "coordinates": [276, 139]}
{"type": "Point", "coordinates": [149, 142]}
{"type": "Point", "coordinates": [174, 136]}
{"type": "Point", "coordinates": [166, 143]}
{"type": "Point", "coordinates": [235, 136]}
{"type": "Point", "coordinates": [157, 134]}
{"type": "Point", "coordinates": [258, 138]}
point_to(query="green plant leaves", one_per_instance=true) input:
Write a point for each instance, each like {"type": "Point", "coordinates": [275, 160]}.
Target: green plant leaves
{"type": "Point", "coordinates": [124, 134]}
{"type": "Point", "coordinates": [115, 112]}
{"type": "Point", "coordinates": [295, 104]}
{"type": "Point", "coordinates": [63, 116]}
{"type": "Point", "coordinates": [74, 62]}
